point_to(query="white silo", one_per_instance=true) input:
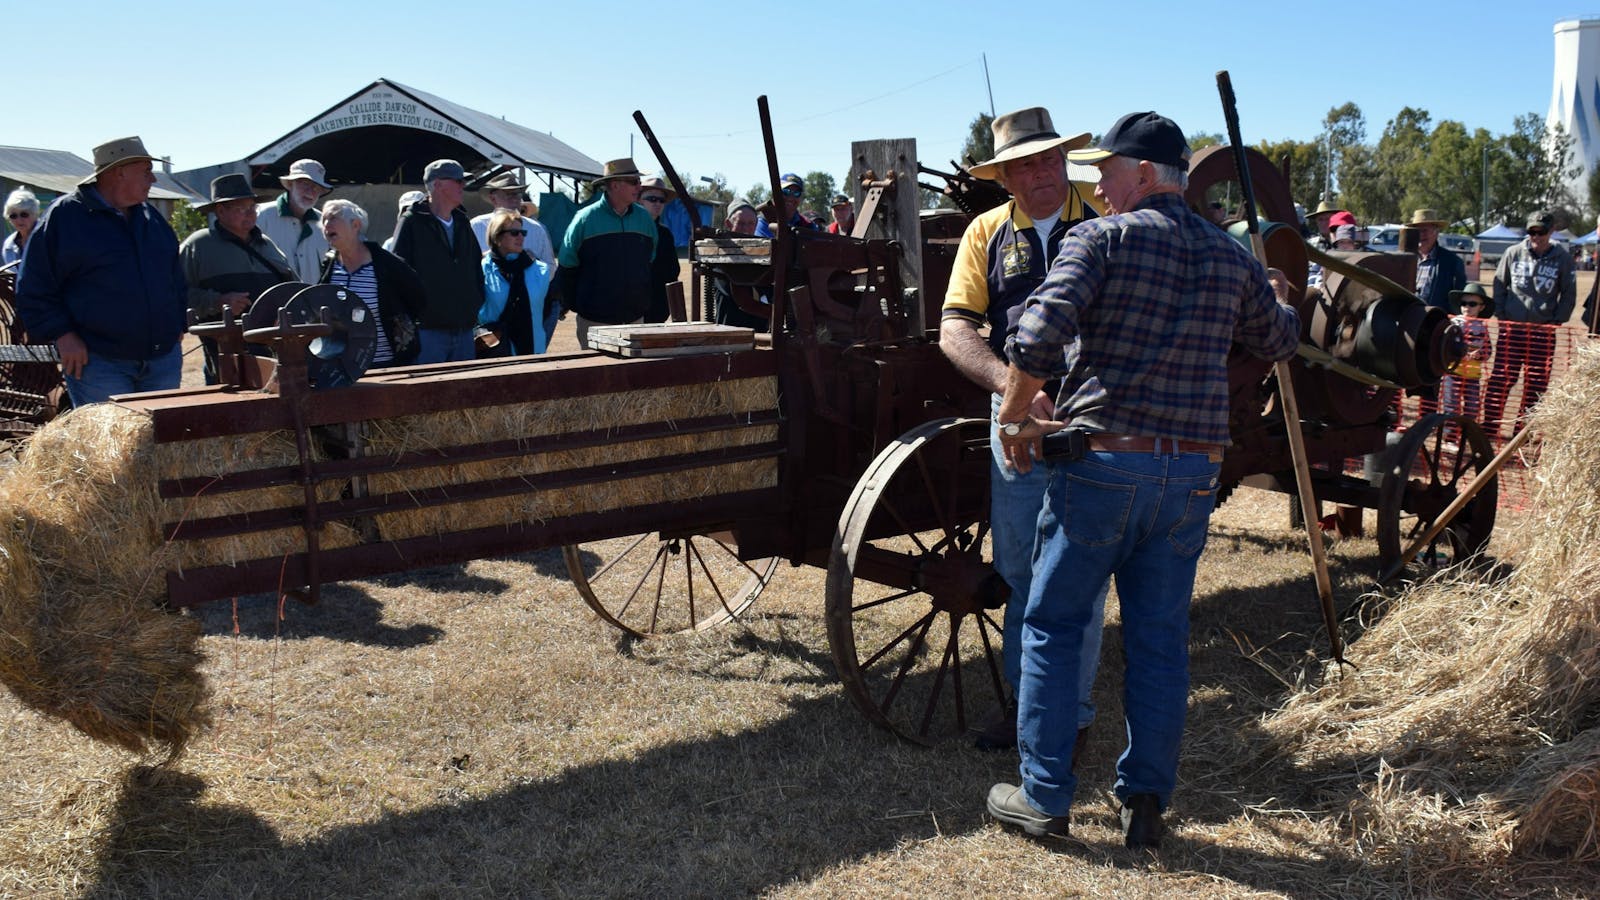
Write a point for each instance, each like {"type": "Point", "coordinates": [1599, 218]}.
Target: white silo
{"type": "Point", "coordinates": [1575, 99]}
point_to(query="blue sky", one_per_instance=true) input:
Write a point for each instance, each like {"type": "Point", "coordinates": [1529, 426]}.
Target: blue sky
{"type": "Point", "coordinates": [209, 83]}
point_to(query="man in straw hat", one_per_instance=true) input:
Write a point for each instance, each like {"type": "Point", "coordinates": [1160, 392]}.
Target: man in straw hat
{"type": "Point", "coordinates": [605, 255]}
{"type": "Point", "coordinates": [290, 220]}
{"type": "Point", "coordinates": [1439, 271]}
{"type": "Point", "coordinates": [435, 239]}
{"type": "Point", "coordinates": [1003, 257]}
{"type": "Point", "coordinates": [1136, 317]}
{"type": "Point", "coordinates": [1320, 223]}
{"type": "Point", "coordinates": [1535, 289]}
{"type": "Point", "coordinates": [101, 279]}
{"type": "Point", "coordinates": [505, 192]}
{"type": "Point", "coordinates": [230, 263]}
{"type": "Point", "coordinates": [654, 195]}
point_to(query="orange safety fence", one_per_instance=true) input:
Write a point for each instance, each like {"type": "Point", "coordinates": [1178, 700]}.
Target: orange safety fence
{"type": "Point", "coordinates": [1507, 369]}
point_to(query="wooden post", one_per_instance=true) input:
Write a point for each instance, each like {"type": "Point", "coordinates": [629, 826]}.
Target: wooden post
{"type": "Point", "coordinates": [897, 218]}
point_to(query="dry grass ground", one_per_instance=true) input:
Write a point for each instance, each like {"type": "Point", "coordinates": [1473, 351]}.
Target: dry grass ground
{"type": "Point", "coordinates": [476, 731]}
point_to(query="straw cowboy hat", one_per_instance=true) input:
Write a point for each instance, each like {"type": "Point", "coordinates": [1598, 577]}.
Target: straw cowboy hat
{"type": "Point", "coordinates": [1427, 217]}
{"type": "Point", "coordinates": [1024, 133]}
{"type": "Point", "coordinates": [617, 168]}
{"type": "Point", "coordinates": [114, 153]}
{"type": "Point", "coordinates": [1327, 208]}
{"type": "Point", "coordinates": [228, 187]}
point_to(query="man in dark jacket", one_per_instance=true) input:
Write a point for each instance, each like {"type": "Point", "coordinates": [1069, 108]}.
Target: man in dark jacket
{"type": "Point", "coordinates": [604, 274]}
{"type": "Point", "coordinates": [435, 238]}
{"type": "Point", "coordinates": [100, 278]}
{"type": "Point", "coordinates": [229, 264]}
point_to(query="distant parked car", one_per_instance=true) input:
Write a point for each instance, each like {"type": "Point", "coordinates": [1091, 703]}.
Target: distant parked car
{"type": "Point", "coordinates": [1384, 239]}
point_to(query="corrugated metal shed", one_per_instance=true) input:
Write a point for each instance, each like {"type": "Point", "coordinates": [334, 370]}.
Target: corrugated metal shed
{"type": "Point", "coordinates": [58, 172]}
{"type": "Point", "coordinates": [387, 132]}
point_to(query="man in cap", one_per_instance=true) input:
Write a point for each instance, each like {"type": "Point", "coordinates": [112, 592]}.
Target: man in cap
{"type": "Point", "coordinates": [230, 263]}
{"type": "Point", "coordinates": [505, 192]}
{"type": "Point", "coordinates": [1439, 271]}
{"type": "Point", "coordinates": [1136, 317]}
{"type": "Point", "coordinates": [604, 274]}
{"type": "Point", "coordinates": [1535, 290]}
{"type": "Point", "coordinates": [435, 238]}
{"type": "Point", "coordinates": [100, 278]}
{"type": "Point", "coordinates": [793, 190]}
{"type": "Point", "coordinates": [741, 220]}
{"type": "Point", "coordinates": [1003, 257]}
{"type": "Point", "coordinates": [290, 220]}
{"type": "Point", "coordinates": [844, 215]}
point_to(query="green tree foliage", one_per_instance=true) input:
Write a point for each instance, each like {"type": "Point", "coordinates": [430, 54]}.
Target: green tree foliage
{"type": "Point", "coordinates": [820, 188]}
{"type": "Point", "coordinates": [1594, 192]}
{"type": "Point", "coordinates": [1308, 166]}
{"type": "Point", "coordinates": [1204, 139]}
{"type": "Point", "coordinates": [758, 194]}
{"type": "Point", "coordinates": [979, 145]}
{"type": "Point", "coordinates": [186, 220]}
{"type": "Point", "coordinates": [714, 191]}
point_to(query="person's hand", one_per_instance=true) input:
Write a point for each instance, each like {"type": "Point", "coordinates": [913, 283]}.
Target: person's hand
{"type": "Point", "coordinates": [1028, 444]}
{"type": "Point", "coordinates": [236, 302]}
{"type": "Point", "coordinates": [1042, 408]}
{"type": "Point", "coordinates": [74, 353]}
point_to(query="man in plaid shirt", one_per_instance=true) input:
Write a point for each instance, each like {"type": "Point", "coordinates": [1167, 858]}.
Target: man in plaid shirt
{"type": "Point", "coordinates": [1136, 317]}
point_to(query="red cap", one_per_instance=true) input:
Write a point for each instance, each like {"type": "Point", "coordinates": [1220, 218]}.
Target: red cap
{"type": "Point", "coordinates": [1341, 218]}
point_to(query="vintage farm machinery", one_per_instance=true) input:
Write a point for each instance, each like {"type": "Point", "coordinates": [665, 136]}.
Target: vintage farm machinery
{"type": "Point", "coordinates": [30, 379]}
{"type": "Point", "coordinates": [676, 484]}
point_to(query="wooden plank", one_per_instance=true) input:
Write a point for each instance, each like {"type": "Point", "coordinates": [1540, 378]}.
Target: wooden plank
{"type": "Point", "coordinates": [670, 334]}
{"type": "Point", "coordinates": [898, 216]}
{"type": "Point", "coordinates": [641, 352]}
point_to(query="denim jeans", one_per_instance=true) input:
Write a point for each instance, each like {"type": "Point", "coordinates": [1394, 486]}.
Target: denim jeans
{"type": "Point", "coordinates": [442, 345]}
{"type": "Point", "coordinates": [1141, 517]}
{"type": "Point", "coordinates": [1015, 502]}
{"type": "Point", "coordinates": [103, 376]}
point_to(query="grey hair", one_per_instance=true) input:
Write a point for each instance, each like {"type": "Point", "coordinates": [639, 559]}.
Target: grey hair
{"type": "Point", "coordinates": [348, 211]}
{"type": "Point", "coordinates": [1171, 176]}
{"type": "Point", "coordinates": [24, 200]}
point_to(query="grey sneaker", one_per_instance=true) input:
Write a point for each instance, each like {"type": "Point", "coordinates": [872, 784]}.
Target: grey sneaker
{"type": "Point", "coordinates": [1008, 805]}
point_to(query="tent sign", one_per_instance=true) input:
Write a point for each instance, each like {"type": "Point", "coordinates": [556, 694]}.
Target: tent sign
{"type": "Point", "coordinates": [378, 105]}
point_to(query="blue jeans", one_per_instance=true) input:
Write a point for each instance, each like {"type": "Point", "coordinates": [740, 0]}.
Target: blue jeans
{"type": "Point", "coordinates": [438, 345]}
{"type": "Point", "coordinates": [103, 376]}
{"type": "Point", "coordinates": [1143, 518]}
{"type": "Point", "coordinates": [1015, 503]}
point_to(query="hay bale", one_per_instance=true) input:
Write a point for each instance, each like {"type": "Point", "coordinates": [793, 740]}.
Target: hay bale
{"type": "Point", "coordinates": [83, 564]}
{"type": "Point", "coordinates": [1466, 676]}
{"type": "Point", "coordinates": [528, 423]}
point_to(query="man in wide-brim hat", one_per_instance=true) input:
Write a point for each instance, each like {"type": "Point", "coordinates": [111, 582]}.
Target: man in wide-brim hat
{"type": "Point", "coordinates": [1321, 222]}
{"type": "Point", "coordinates": [100, 279]}
{"type": "Point", "coordinates": [291, 221]}
{"type": "Point", "coordinates": [1004, 256]}
{"type": "Point", "coordinates": [1439, 271]}
{"type": "Point", "coordinates": [230, 263]}
{"type": "Point", "coordinates": [505, 191]}
{"type": "Point", "coordinates": [604, 274]}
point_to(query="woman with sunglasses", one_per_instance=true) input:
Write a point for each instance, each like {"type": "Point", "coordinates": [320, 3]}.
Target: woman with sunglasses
{"type": "Point", "coordinates": [22, 211]}
{"type": "Point", "coordinates": [654, 197]}
{"type": "Point", "coordinates": [512, 320]}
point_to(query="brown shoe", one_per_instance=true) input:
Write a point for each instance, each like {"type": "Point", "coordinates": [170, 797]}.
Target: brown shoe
{"type": "Point", "coordinates": [1008, 805]}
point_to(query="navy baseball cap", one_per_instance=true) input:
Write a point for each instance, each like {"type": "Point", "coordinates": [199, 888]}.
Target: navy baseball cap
{"type": "Point", "coordinates": [1141, 135]}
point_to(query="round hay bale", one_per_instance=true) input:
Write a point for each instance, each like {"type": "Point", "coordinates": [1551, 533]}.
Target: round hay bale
{"type": "Point", "coordinates": [83, 564]}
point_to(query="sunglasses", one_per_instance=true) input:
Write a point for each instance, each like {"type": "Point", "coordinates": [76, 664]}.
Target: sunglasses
{"type": "Point", "coordinates": [793, 192]}
{"type": "Point", "coordinates": [654, 198]}
{"type": "Point", "coordinates": [19, 214]}
{"type": "Point", "coordinates": [514, 232]}
{"type": "Point", "coordinates": [1537, 232]}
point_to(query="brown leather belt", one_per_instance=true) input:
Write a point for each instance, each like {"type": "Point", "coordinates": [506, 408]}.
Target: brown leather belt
{"type": "Point", "coordinates": [1130, 443]}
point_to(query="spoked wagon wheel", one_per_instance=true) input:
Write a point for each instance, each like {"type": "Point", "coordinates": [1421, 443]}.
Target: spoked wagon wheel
{"type": "Point", "coordinates": [1433, 463]}
{"type": "Point", "coordinates": [913, 601]}
{"type": "Point", "coordinates": [660, 583]}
